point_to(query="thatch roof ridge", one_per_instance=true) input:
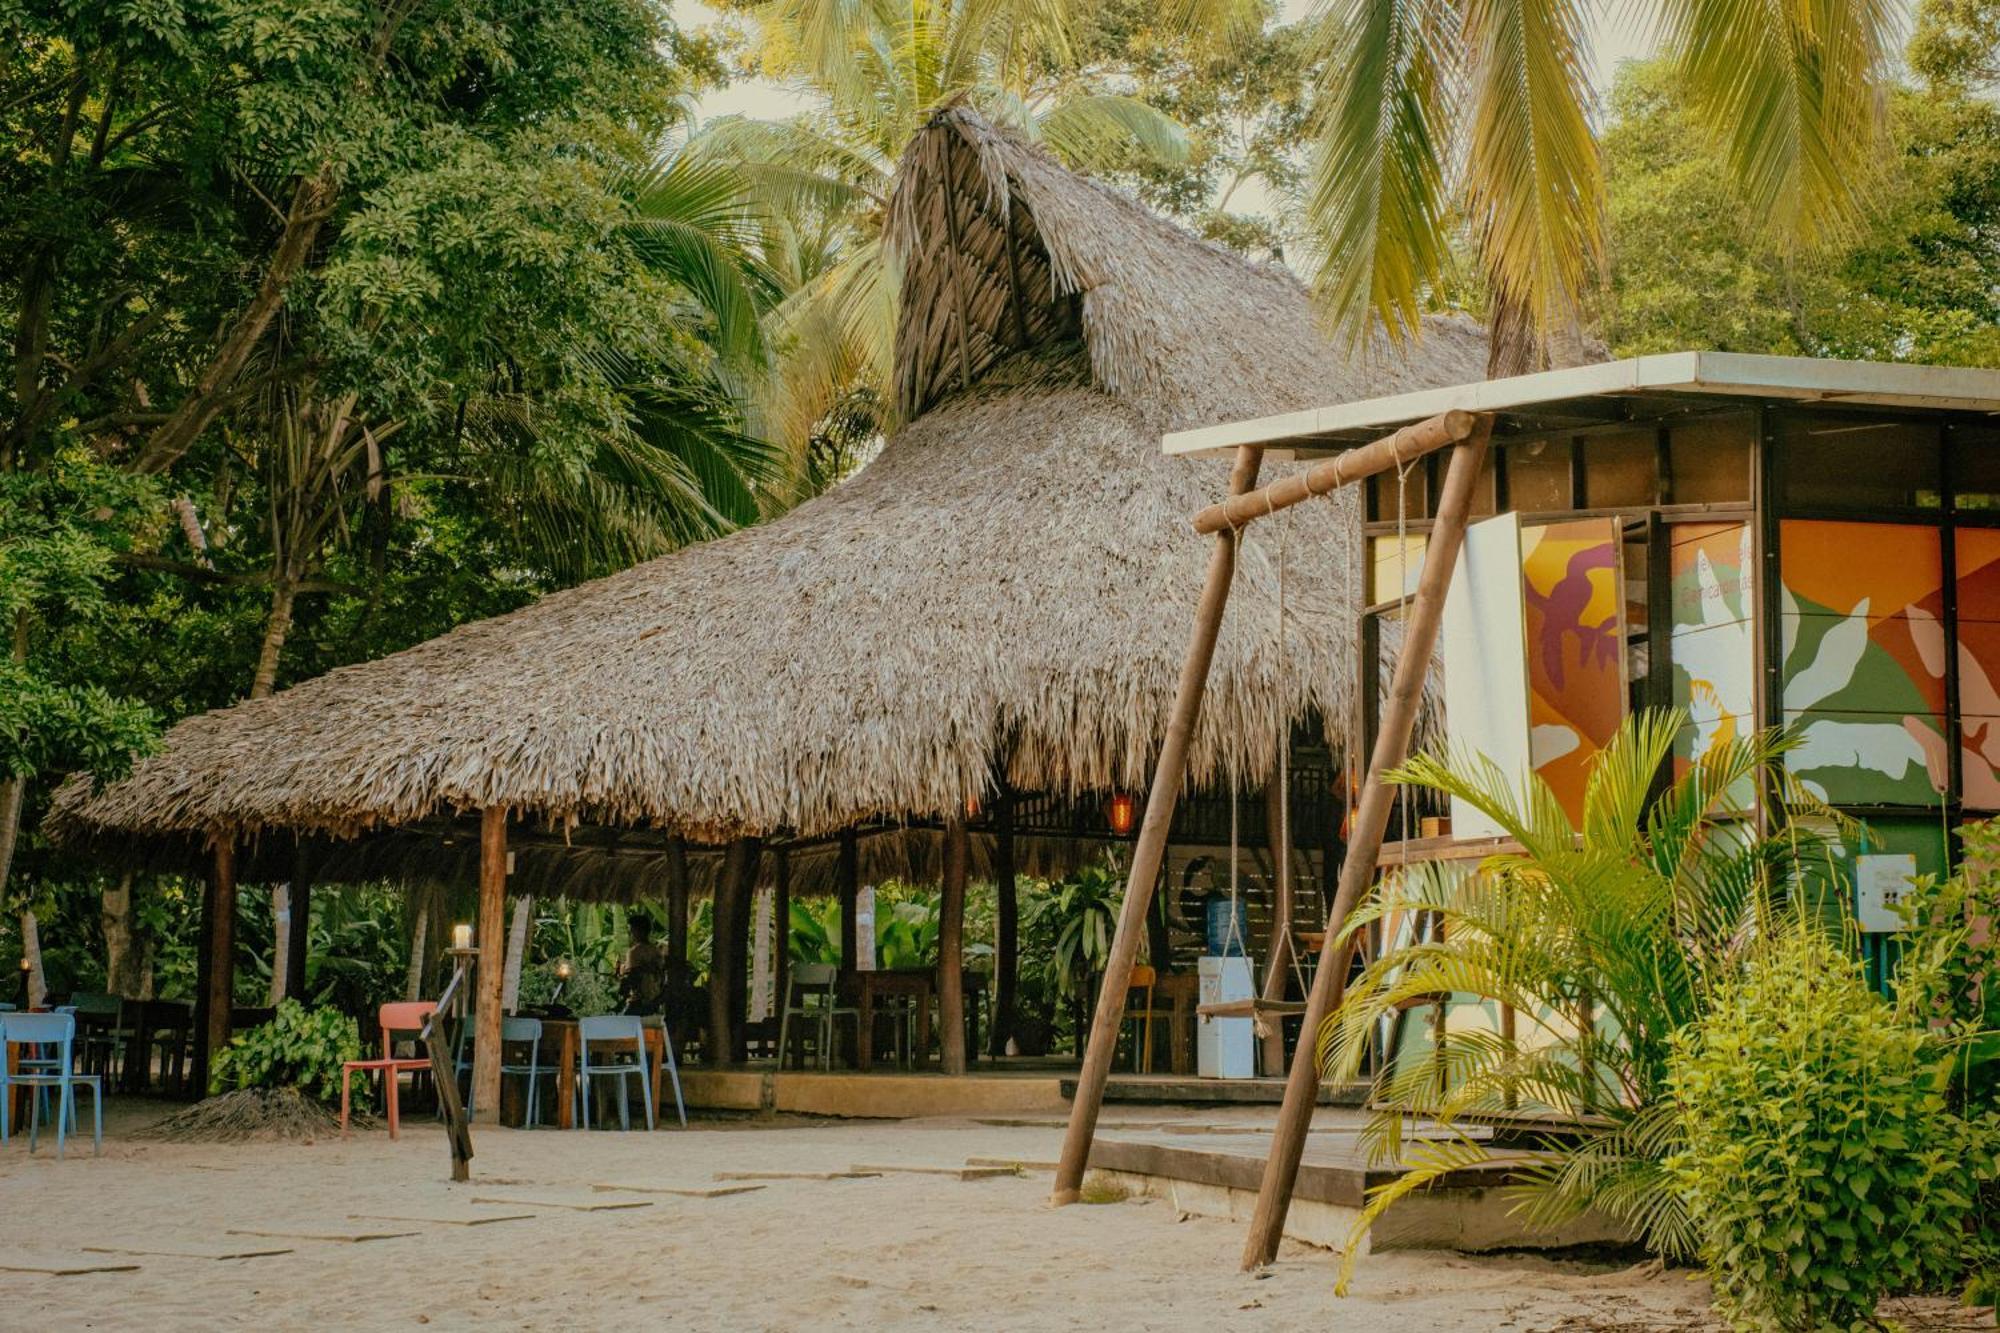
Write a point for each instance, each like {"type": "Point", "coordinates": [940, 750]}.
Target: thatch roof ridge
{"type": "Point", "coordinates": [1008, 577]}
{"type": "Point", "coordinates": [1185, 330]}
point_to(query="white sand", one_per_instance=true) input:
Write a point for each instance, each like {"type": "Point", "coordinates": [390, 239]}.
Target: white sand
{"type": "Point", "coordinates": [896, 1251]}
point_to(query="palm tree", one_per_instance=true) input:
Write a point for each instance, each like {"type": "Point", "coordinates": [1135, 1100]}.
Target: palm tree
{"type": "Point", "coordinates": [1602, 941]}
{"type": "Point", "coordinates": [1441, 112]}
{"type": "Point", "coordinates": [880, 70]}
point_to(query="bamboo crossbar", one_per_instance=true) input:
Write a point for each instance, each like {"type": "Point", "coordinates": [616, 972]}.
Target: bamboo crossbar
{"type": "Point", "coordinates": [1384, 455]}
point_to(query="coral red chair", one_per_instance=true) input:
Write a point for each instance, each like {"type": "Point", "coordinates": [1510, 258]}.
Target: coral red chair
{"type": "Point", "coordinates": [408, 1016]}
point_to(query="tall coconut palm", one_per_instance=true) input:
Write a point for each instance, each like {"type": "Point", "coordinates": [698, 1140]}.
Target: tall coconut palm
{"type": "Point", "coordinates": [1480, 112]}
{"type": "Point", "coordinates": [1603, 940]}
{"type": "Point", "coordinates": [879, 70]}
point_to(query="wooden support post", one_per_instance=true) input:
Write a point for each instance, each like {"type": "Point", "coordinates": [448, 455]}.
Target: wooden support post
{"type": "Point", "coordinates": [781, 932]}
{"type": "Point", "coordinates": [729, 942]}
{"type": "Point", "coordinates": [1278, 947]}
{"type": "Point", "coordinates": [219, 995]}
{"type": "Point", "coordinates": [299, 931]}
{"type": "Point", "coordinates": [847, 884]}
{"type": "Point", "coordinates": [1148, 853]}
{"type": "Point", "coordinates": [492, 935]}
{"type": "Point", "coordinates": [677, 905]}
{"type": "Point", "coordinates": [1006, 925]}
{"type": "Point", "coordinates": [951, 951]}
{"type": "Point", "coordinates": [1371, 821]}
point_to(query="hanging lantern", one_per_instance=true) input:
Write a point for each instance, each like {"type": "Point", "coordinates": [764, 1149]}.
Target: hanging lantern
{"type": "Point", "coordinates": [1122, 812]}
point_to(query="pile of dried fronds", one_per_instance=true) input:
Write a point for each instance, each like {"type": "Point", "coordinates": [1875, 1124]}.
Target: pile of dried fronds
{"type": "Point", "coordinates": [252, 1114]}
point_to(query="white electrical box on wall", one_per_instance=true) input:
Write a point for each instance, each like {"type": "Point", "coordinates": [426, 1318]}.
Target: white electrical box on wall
{"type": "Point", "coordinates": [1880, 881]}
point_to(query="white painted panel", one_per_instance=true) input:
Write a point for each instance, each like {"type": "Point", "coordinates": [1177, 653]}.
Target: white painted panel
{"type": "Point", "coordinates": [1486, 661]}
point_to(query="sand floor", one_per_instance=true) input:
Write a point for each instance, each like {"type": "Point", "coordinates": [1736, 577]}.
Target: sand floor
{"type": "Point", "coordinates": [895, 1251]}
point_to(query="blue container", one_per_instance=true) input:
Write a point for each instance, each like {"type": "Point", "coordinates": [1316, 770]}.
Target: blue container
{"type": "Point", "coordinates": [1228, 928]}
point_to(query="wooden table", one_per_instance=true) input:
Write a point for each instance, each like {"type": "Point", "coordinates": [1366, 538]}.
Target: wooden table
{"type": "Point", "coordinates": [912, 983]}
{"type": "Point", "coordinates": [568, 1047]}
{"type": "Point", "coordinates": [143, 1019]}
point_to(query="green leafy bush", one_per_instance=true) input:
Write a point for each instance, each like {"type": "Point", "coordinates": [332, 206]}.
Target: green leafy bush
{"type": "Point", "coordinates": [299, 1048]}
{"type": "Point", "coordinates": [1822, 1163]}
{"type": "Point", "coordinates": [586, 992]}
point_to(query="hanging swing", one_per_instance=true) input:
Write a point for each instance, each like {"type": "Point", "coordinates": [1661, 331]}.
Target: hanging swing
{"type": "Point", "coordinates": [1265, 1014]}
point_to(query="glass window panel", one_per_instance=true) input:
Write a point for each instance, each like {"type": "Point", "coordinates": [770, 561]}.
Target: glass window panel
{"type": "Point", "coordinates": [1975, 466]}
{"type": "Point", "coordinates": [1845, 462]}
{"type": "Point", "coordinates": [1621, 469]}
{"type": "Point", "coordinates": [1483, 490]}
{"type": "Point", "coordinates": [1411, 492]}
{"type": "Point", "coordinates": [1710, 458]}
{"type": "Point", "coordinates": [1538, 476]}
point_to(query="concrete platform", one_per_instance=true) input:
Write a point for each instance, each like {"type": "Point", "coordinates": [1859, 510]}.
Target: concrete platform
{"type": "Point", "coordinates": [1217, 1175]}
{"type": "Point", "coordinates": [1183, 1090]}
{"type": "Point", "coordinates": [886, 1095]}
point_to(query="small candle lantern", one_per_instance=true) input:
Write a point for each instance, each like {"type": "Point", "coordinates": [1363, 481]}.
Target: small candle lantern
{"type": "Point", "coordinates": [1122, 812]}
{"type": "Point", "coordinates": [461, 937]}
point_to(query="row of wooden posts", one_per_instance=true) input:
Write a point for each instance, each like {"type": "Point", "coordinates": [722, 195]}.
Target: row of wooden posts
{"type": "Point", "coordinates": [729, 971]}
{"type": "Point", "coordinates": [1467, 436]}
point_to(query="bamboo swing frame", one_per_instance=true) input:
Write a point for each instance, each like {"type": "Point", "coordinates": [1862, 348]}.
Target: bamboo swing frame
{"type": "Point", "coordinates": [1467, 436]}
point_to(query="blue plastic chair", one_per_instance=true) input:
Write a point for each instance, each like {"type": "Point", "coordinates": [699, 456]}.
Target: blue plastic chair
{"type": "Point", "coordinates": [521, 1032]}
{"type": "Point", "coordinates": [619, 1028]}
{"type": "Point", "coordinates": [40, 1072]}
{"type": "Point", "coordinates": [673, 1067]}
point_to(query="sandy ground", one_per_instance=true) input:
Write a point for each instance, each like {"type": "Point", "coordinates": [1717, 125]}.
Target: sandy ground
{"type": "Point", "coordinates": [895, 1251]}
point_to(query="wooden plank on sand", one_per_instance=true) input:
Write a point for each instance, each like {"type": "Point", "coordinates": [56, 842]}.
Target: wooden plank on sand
{"type": "Point", "coordinates": [1015, 1164]}
{"type": "Point", "coordinates": [795, 1175]}
{"type": "Point", "coordinates": [194, 1252]}
{"type": "Point", "coordinates": [967, 1172]}
{"type": "Point", "coordinates": [432, 1219]}
{"type": "Point", "coordinates": [60, 1265]}
{"type": "Point", "coordinates": [579, 1206]}
{"type": "Point", "coordinates": [684, 1191]}
{"type": "Point", "coordinates": [340, 1237]}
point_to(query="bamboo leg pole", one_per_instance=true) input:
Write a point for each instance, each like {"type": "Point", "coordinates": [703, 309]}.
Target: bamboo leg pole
{"type": "Point", "coordinates": [1392, 744]}
{"type": "Point", "coordinates": [492, 963]}
{"type": "Point", "coordinates": [951, 951]}
{"type": "Point", "coordinates": [1147, 853]}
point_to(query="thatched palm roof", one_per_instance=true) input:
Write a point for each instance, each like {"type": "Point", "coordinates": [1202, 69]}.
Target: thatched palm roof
{"type": "Point", "coordinates": [1014, 575]}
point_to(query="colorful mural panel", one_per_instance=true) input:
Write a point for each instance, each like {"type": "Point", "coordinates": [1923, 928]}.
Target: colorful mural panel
{"type": "Point", "coordinates": [1977, 553]}
{"type": "Point", "coordinates": [1864, 659]}
{"type": "Point", "coordinates": [1573, 590]}
{"type": "Point", "coordinates": [1712, 639]}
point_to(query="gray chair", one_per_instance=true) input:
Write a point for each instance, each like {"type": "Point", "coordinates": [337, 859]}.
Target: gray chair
{"type": "Point", "coordinates": [613, 1028]}
{"type": "Point", "coordinates": [810, 996]}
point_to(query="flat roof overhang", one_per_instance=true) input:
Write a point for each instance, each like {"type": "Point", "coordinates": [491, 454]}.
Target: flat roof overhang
{"type": "Point", "coordinates": [1610, 391]}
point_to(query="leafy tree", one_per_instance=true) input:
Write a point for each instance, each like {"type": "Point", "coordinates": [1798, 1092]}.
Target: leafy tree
{"type": "Point", "coordinates": [1690, 266]}
{"type": "Point", "coordinates": [879, 71]}
{"type": "Point", "coordinates": [1442, 113]}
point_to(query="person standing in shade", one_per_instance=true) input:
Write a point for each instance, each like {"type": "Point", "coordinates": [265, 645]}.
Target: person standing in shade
{"type": "Point", "coordinates": [642, 973]}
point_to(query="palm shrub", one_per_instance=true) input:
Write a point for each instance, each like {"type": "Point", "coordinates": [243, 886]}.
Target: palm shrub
{"type": "Point", "coordinates": [1821, 1160]}
{"type": "Point", "coordinates": [299, 1048]}
{"type": "Point", "coordinates": [1605, 940]}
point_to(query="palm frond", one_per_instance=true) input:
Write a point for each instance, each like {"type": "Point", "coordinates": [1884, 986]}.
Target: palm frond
{"type": "Point", "coordinates": [1534, 181]}
{"type": "Point", "coordinates": [1795, 91]}
{"type": "Point", "coordinates": [1099, 131]}
{"type": "Point", "coordinates": [1376, 199]}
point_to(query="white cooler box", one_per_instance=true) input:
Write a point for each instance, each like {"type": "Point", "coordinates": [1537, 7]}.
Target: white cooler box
{"type": "Point", "coordinates": [1225, 1047]}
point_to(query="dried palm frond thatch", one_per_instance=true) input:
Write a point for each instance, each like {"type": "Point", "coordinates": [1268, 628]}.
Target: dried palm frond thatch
{"type": "Point", "coordinates": [1012, 577]}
